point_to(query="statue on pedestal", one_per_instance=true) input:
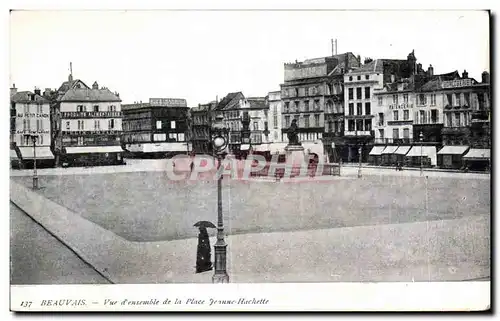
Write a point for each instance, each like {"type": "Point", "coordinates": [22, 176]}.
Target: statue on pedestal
{"type": "Point", "coordinates": [293, 138]}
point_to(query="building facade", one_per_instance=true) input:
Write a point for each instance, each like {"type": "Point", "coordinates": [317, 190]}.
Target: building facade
{"type": "Point", "coordinates": [30, 116]}
{"type": "Point", "coordinates": [87, 125]}
{"type": "Point", "coordinates": [230, 108]}
{"type": "Point", "coordinates": [156, 129]}
{"type": "Point", "coordinates": [257, 109]}
{"type": "Point", "coordinates": [312, 95]}
{"type": "Point", "coordinates": [201, 122]}
{"type": "Point", "coordinates": [275, 117]}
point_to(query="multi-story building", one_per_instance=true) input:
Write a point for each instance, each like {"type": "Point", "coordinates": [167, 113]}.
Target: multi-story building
{"type": "Point", "coordinates": [30, 116]}
{"type": "Point", "coordinates": [257, 109]}
{"type": "Point", "coordinates": [275, 108]}
{"type": "Point", "coordinates": [311, 91]}
{"type": "Point", "coordinates": [156, 129]}
{"type": "Point", "coordinates": [201, 121]}
{"type": "Point", "coordinates": [230, 108]}
{"type": "Point", "coordinates": [87, 124]}
{"type": "Point", "coordinates": [360, 105]}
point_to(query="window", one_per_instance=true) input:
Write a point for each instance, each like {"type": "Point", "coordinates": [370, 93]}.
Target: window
{"type": "Point", "coordinates": [287, 106]}
{"type": "Point", "coordinates": [255, 125]}
{"type": "Point", "coordinates": [358, 93]}
{"type": "Point", "coordinates": [287, 121]}
{"type": "Point", "coordinates": [158, 124]}
{"type": "Point", "coordinates": [330, 126]}
{"type": "Point", "coordinates": [316, 120]}
{"type": "Point", "coordinates": [406, 133]}
{"type": "Point", "coordinates": [395, 133]}
{"type": "Point", "coordinates": [67, 125]}
{"type": "Point", "coordinates": [172, 137]}
{"type": "Point", "coordinates": [351, 109]}
{"type": "Point", "coordinates": [80, 108]}
{"type": "Point", "coordinates": [395, 99]}
{"type": "Point", "coordinates": [381, 119]}
{"type": "Point", "coordinates": [306, 105]}
{"type": "Point", "coordinates": [405, 98]}
{"type": "Point", "coordinates": [359, 124]}
{"type": "Point", "coordinates": [381, 133]}
{"type": "Point", "coordinates": [380, 101]}
{"type": "Point", "coordinates": [368, 124]}
{"type": "Point", "coordinates": [26, 108]}
{"type": "Point", "coordinates": [350, 124]}
{"type": "Point", "coordinates": [421, 100]}
{"type": "Point", "coordinates": [296, 92]}
{"type": "Point", "coordinates": [306, 121]}
{"type": "Point", "coordinates": [422, 117]}
{"type": "Point", "coordinates": [433, 99]}
{"type": "Point", "coordinates": [40, 139]}
{"type": "Point", "coordinates": [306, 91]}
{"type": "Point", "coordinates": [38, 125]}
{"type": "Point", "coordinates": [458, 101]}
{"type": "Point", "coordinates": [359, 108]}
{"type": "Point", "coordinates": [359, 77]}
{"type": "Point", "coordinates": [180, 137]}
{"type": "Point", "coordinates": [406, 114]}
{"type": "Point", "coordinates": [351, 93]}
{"type": "Point", "coordinates": [350, 78]}
{"type": "Point", "coordinates": [316, 105]}
{"type": "Point", "coordinates": [367, 92]}
{"type": "Point", "coordinates": [80, 125]}
{"type": "Point", "coordinates": [449, 120]}
{"type": "Point", "coordinates": [434, 116]}
{"type": "Point", "coordinates": [112, 108]}
{"type": "Point", "coordinates": [96, 107]}
{"type": "Point", "coordinates": [172, 124]}
{"type": "Point", "coordinates": [297, 105]}
{"type": "Point", "coordinates": [368, 108]}
{"type": "Point", "coordinates": [111, 124]}
{"type": "Point", "coordinates": [395, 115]}
{"type": "Point", "coordinates": [97, 124]}
{"type": "Point", "coordinates": [367, 77]}
{"type": "Point", "coordinates": [80, 140]}
{"type": "Point", "coordinates": [457, 120]}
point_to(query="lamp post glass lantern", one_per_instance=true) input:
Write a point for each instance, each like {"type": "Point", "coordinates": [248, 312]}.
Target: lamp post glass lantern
{"type": "Point", "coordinates": [219, 144]}
{"type": "Point", "coordinates": [35, 175]}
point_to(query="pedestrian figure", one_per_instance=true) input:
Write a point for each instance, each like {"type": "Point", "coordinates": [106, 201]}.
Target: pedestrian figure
{"type": "Point", "coordinates": [191, 165]}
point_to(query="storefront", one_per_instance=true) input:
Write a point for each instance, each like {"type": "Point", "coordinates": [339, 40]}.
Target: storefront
{"type": "Point", "coordinates": [44, 156]}
{"type": "Point", "coordinates": [421, 155]}
{"type": "Point", "coordinates": [388, 157]}
{"type": "Point", "coordinates": [477, 159]}
{"type": "Point", "coordinates": [375, 155]}
{"type": "Point", "coordinates": [451, 156]}
{"type": "Point", "coordinates": [92, 155]}
{"type": "Point", "coordinates": [400, 154]}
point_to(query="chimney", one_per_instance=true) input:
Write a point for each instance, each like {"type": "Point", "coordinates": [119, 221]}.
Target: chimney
{"type": "Point", "coordinates": [430, 71]}
{"type": "Point", "coordinates": [485, 77]}
{"type": "Point", "coordinates": [95, 85]}
{"type": "Point", "coordinates": [13, 90]}
{"type": "Point", "coordinates": [70, 77]}
{"type": "Point", "coordinates": [37, 92]}
{"type": "Point", "coordinates": [465, 74]}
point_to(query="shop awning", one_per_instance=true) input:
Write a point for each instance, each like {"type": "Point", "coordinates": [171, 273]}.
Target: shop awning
{"type": "Point", "coordinates": [402, 150]}
{"type": "Point", "coordinates": [417, 151]}
{"type": "Point", "coordinates": [377, 150]}
{"type": "Point", "coordinates": [389, 150]}
{"type": "Point", "coordinates": [453, 150]}
{"type": "Point", "coordinates": [477, 154]}
{"type": "Point", "coordinates": [13, 154]}
{"type": "Point", "coordinates": [261, 148]}
{"type": "Point", "coordinates": [42, 152]}
{"type": "Point", "coordinates": [244, 146]}
{"type": "Point", "coordinates": [93, 149]}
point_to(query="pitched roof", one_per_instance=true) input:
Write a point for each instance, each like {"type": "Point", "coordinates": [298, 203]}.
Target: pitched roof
{"type": "Point", "coordinates": [257, 102]}
{"type": "Point", "coordinates": [27, 96]}
{"type": "Point", "coordinates": [230, 101]}
{"type": "Point", "coordinates": [86, 94]}
{"type": "Point", "coordinates": [376, 66]}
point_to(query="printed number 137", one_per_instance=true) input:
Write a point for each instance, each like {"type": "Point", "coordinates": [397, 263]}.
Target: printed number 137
{"type": "Point", "coordinates": [26, 304]}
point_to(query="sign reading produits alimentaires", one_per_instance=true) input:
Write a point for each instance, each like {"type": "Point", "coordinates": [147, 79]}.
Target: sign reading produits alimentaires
{"type": "Point", "coordinates": [168, 102]}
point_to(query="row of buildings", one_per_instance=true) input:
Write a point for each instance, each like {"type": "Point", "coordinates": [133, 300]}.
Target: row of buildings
{"type": "Point", "coordinates": [380, 111]}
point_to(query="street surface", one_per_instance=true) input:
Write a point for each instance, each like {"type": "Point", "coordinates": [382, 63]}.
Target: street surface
{"type": "Point", "coordinates": [147, 206]}
{"type": "Point", "coordinates": [39, 258]}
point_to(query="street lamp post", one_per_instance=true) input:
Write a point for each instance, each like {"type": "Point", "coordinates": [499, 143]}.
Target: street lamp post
{"type": "Point", "coordinates": [219, 144]}
{"type": "Point", "coordinates": [421, 136]}
{"type": "Point", "coordinates": [360, 156]}
{"type": "Point", "coordinates": [35, 175]}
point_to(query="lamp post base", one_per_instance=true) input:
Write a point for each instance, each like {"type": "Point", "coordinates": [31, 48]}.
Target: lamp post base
{"type": "Point", "coordinates": [35, 182]}
{"type": "Point", "coordinates": [220, 275]}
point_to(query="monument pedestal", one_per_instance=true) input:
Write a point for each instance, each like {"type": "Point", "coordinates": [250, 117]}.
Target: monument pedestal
{"type": "Point", "coordinates": [295, 158]}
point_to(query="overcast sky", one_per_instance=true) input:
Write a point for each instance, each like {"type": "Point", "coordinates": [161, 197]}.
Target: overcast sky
{"type": "Point", "coordinates": [197, 55]}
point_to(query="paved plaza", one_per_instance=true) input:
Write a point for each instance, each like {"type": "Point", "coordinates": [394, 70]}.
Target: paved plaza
{"type": "Point", "coordinates": [384, 226]}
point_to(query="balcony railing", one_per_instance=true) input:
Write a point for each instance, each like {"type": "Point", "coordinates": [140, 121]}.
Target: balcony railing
{"type": "Point", "coordinates": [396, 141]}
{"type": "Point", "coordinates": [358, 133]}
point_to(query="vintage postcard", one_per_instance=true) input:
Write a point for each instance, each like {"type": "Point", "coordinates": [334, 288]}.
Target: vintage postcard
{"type": "Point", "coordinates": [250, 160]}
